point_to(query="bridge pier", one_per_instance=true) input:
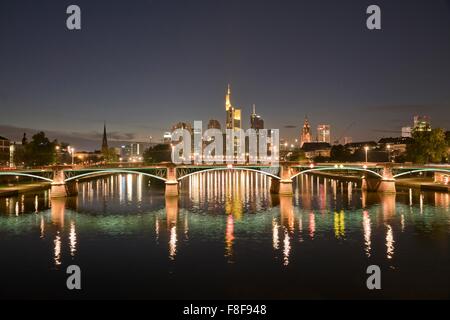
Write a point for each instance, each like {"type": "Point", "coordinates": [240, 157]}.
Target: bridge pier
{"type": "Point", "coordinates": [172, 182]}
{"type": "Point", "coordinates": [59, 188]}
{"type": "Point", "coordinates": [384, 185]}
{"type": "Point", "coordinates": [284, 185]}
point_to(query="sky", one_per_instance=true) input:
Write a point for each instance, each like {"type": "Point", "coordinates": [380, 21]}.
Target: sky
{"type": "Point", "coordinates": [143, 65]}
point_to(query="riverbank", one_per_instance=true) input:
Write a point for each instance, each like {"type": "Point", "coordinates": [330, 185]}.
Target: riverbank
{"type": "Point", "coordinates": [336, 176]}
{"type": "Point", "coordinates": [415, 183]}
{"type": "Point", "coordinates": [422, 184]}
{"type": "Point", "coordinates": [14, 190]}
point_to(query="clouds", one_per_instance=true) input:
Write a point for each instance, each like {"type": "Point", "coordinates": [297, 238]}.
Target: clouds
{"type": "Point", "coordinates": [410, 108]}
{"type": "Point", "coordinates": [114, 135]}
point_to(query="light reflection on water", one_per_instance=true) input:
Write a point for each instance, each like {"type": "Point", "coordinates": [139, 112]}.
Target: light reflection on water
{"type": "Point", "coordinates": [230, 218]}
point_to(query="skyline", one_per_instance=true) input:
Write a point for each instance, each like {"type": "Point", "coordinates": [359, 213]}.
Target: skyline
{"type": "Point", "coordinates": [238, 152]}
{"type": "Point", "coordinates": [124, 69]}
{"type": "Point", "coordinates": [89, 141]}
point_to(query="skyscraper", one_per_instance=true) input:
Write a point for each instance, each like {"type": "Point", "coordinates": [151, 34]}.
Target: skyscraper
{"type": "Point", "coordinates": [105, 141]}
{"type": "Point", "coordinates": [214, 124]}
{"type": "Point", "coordinates": [183, 125]}
{"type": "Point", "coordinates": [233, 114]}
{"type": "Point", "coordinates": [323, 133]}
{"type": "Point", "coordinates": [406, 132]}
{"type": "Point", "coordinates": [422, 123]}
{"type": "Point", "coordinates": [256, 122]}
{"type": "Point", "coordinates": [305, 134]}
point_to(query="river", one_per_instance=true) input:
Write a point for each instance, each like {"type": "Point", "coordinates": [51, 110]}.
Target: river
{"type": "Point", "coordinates": [225, 237]}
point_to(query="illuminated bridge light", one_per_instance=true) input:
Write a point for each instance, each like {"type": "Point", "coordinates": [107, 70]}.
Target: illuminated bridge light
{"type": "Point", "coordinates": [311, 165]}
{"type": "Point", "coordinates": [365, 166]}
{"type": "Point", "coordinates": [229, 166]}
{"type": "Point", "coordinates": [335, 165]}
{"type": "Point", "coordinates": [341, 166]}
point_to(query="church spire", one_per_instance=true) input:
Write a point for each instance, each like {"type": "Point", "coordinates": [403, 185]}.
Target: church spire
{"type": "Point", "coordinates": [105, 140]}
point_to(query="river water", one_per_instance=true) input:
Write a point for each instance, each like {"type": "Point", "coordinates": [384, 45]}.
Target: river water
{"type": "Point", "coordinates": [225, 237]}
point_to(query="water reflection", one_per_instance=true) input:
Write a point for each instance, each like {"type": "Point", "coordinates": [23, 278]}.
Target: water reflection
{"type": "Point", "coordinates": [229, 237]}
{"type": "Point", "coordinates": [58, 206]}
{"type": "Point", "coordinates": [73, 239]}
{"type": "Point", "coordinates": [286, 248]}
{"type": "Point", "coordinates": [287, 212]}
{"type": "Point", "coordinates": [339, 224]}
{"type": "Point", "coordinates": [275, 234]}
{"type": "Point", "coordinates": [367, 228]}
{"type": "Point", "coordinates": [172, 218]}
{"type": "Point", "coordinates": [389, 242]}
{"type": "Point", "coordinates": [57, 249]}
{"type": "Point", "coordinates": [231, 215]}
{"type": "Point", "coordinates": [312, 225]}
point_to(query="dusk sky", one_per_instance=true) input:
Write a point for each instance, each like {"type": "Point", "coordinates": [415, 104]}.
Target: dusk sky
{"type": "Point", "coordinates": [143, 65]}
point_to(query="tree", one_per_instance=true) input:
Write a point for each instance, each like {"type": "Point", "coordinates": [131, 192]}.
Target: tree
{"type": "Point", "coordinates": [428, 146]}
{"type": "Point", "coordinates": [296, 155]}
{"type": "Point", "coordinates": [39, 151]}
{"type": "Point", "coordinates": [24, 139]}
{"type": "Point", "coordinates": [340, 153]}
{"type": "Point", "coordinates": [158, 153]}
{"type": "Point", "coordinates": [110, 155]}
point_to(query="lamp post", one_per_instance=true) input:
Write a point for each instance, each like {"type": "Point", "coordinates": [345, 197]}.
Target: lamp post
{"type": "Point", "coordinates": [57, 154]}
{"type": "Point", "coordinates": [366, 149]}
{"type": "Point", "coordinates": [72, 151]}
{"type": "Point", "coordinates": [389, 152]}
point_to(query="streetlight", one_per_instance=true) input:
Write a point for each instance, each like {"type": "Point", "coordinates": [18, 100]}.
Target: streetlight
{"type": "Point", "coordinates": [72, 151]}
{"type": "Point", "coordinates": [366, 148]}
{"type": "Point", "coordinates": [389, 152]}
{"type": "Point", "coordinates": [57, 154]}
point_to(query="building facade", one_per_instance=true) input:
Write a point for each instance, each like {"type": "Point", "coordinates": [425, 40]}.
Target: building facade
{"type": "Point", "coordinates": [406, 132]}
{"type": "Point", "coordinates": [4, 150]}
{"type": "Point", "coordinates": [323, 133]}
{"type": "Point", "coordinates": [316, 149]}
{"type": "Point", "coordinates": [256, 122]}
{"type": "Point", "coordinates": [422, 123]}
{"type": "Point", "coordinates": [133, 152]}
{"type": "Point", "coordinates": [233, 114]}
{"type": "Point", "coordinates": [305, 134]}
{"type": "Point", "coordinates": [214, 124]}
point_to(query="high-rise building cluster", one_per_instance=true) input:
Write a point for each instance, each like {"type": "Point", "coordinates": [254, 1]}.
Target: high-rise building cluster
{"type": "Point", "coordinates": [233, 119]}
{"type": "Point", "coordinates": [323, 133]}
{"type": "Point", "coordinates": [421, 123]}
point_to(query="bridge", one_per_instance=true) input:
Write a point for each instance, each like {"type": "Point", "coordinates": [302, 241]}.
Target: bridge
{"type": "Point", "coordinates": [378, 177]}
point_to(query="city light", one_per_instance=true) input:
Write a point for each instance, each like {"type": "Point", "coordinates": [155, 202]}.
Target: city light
{"type": "Point", "coordinates": [366, 149]}
{"type": "Point", "coordinates": [190, 194]}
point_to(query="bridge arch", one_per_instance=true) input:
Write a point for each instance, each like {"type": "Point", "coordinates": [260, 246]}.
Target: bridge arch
{"type": "Point", "coordinates": [112, 171]}
{"type": "Point", "coordinates": [422, 170]}
{"type": "Point", "coordinates": [336, 168]}
{"type": "Point", "coordinates": [25, 175]}
{"type": "Point", "coordinates": [229, 169]}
